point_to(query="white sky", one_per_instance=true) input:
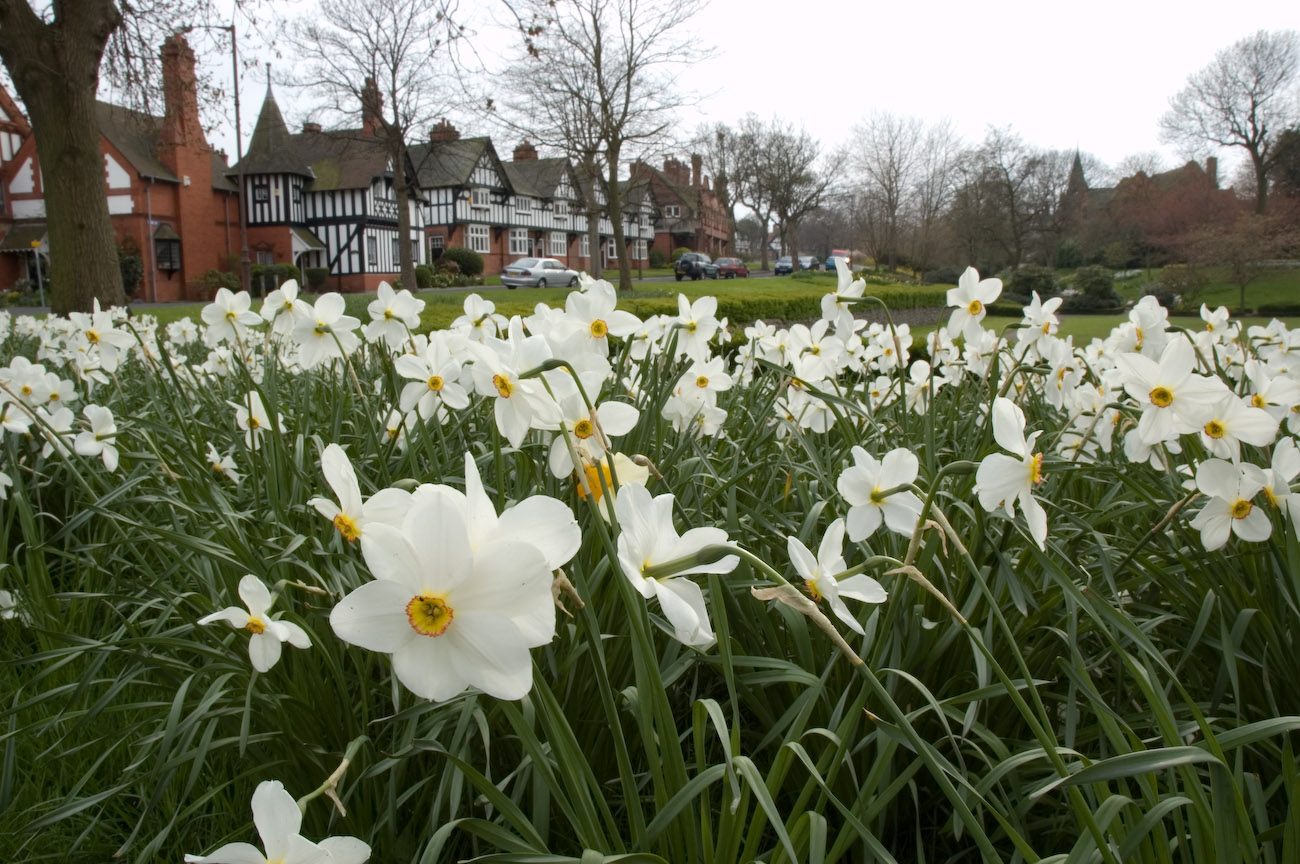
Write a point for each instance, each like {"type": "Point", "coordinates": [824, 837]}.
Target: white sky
{"type": "Point", "coordinates": [1096, 76]}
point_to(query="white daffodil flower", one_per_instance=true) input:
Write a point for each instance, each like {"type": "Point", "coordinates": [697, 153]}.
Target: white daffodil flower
{"type": "Point", "coordinates": [267, 633]}
{"type": "Point", "coordinates": [279, 821]}
{"type": "Point", "coordinates": [647, 540]}
{"type": "Point", "coordinates": [352, 514]}
{"type": "Point", "coordinates": [696, 325]}
{"type": "Point", "coordinates": [435, 375]}
{"type": "Point", "coordinates": [453, 614]}
{"type": "Point", "coordinates": [99, 440]}
{"type": "Point", "coordinates": [393, 315]}
{"type": "Point", "coordinates": [326, 334]}
{"type": "Point", "coordinates": [222, 466]}
{"type": "Point", "coordinates": [1175, 400]}
{"type": "Point", "coordinates": [1005, 481]}
{"type": "Point", "coordinates": [818, 575]}
{"type": "Point", "coordinates": [970, 300]}
{"type": "Point", "coordinates": [862, 483]}
{"type": "Point", "coordinates": [283, 308]}
{"type": "Point", "coordinates": [1231, 490]}
{"type": "Point", "coordinates": [228, 317]}
{"type": "Point", "coordinates": [1232, 422]}
{"type": "Point", "coordinates": [253, 418]}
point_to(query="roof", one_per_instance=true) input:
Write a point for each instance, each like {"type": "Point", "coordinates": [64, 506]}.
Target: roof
{"type": "Point", "coordinates": [305, 238]}
{"type": "Point", "coordinates": [537, 177]}
{"type": "Point", "coordinates": [135, 135]}
{"type": "Point", "coordinates": [220, 170]}
{"type": "Point", "coordinates": [21, 237]}
{"type": "Point", "coordinates": [450, 163]}
{"type": "Point", "coordinates": [344, 159]}
{"type": "Point", "coordinates": [272, 150]}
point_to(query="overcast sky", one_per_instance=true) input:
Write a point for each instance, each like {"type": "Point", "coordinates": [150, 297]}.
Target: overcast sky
{"type": "Point", "coordinates": [1096, 76]}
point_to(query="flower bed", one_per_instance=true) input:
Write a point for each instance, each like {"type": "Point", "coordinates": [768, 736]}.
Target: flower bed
{"type": "Point", "coordinates": [589, 585]}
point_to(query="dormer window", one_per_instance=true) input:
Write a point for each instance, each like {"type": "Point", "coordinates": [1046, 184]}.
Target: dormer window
{"type": "Point", "coordinates": [673, 210]}
{"type": "Point", "coordinates": [524, 204]}
{"type": "Point", "coordinates": [561, 209]}
{"type": "Point", "coordinates": [479, 198]}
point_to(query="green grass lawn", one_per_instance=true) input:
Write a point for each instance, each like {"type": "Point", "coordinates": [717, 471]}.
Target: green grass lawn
{"type": "Point", "coordinates": [1273, 286]}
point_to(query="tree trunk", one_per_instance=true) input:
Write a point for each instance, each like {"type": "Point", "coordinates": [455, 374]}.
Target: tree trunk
{"type": "Point", "coordinates": [402, 192]}
{"type": "Point", "coordinates": [1261, 182]}
{"type": "Point", "coordinates": [55, 70]}
{"type": "Point", "coordinates": [592, 204]}
{"type": "Point", "coordinates": [614, 204]}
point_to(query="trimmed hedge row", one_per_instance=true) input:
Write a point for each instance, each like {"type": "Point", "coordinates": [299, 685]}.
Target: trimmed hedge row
{"type": "Point", "coordinates": [740, 306]}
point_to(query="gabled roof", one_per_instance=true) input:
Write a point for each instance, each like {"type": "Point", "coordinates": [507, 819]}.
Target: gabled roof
{"type": "Point", "coordinates": [220, 169]}
{"type": "Point", "coordinates": [538, 177]}
{"type": "Point", "coordinates": [345, 159]}
{"type": "Point", "coordinates": [271, 150]}
{"type": "Point", "coordinates": [452, 163]}
{"type": "Point", "coordinates": [13, 118]}
{"type": "Point", "coordinates": [135, 135]}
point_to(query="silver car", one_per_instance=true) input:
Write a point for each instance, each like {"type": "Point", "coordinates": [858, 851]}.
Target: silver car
{"type": "Point", "coordinates": [539, 273]}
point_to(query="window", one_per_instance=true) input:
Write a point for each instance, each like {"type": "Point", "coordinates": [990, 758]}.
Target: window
{"type": "Point", "coordinates": [561, 209]}
{"type": "Point", "coordinates": [372, 251]}
{"type": "Point", "coordinates": [612, 250]}
{"type": "Point", "coordinates": [479, 240]}
{"type": "Point", "coordinates": [297, 194]}
{"type": "Point", "coordinates": [415, 251]}
{"type": "Point", "coordinates": [519, 244]}
{"type": "Point", "coordinates": [524, 204]}
{"type": "Point", "coordinates": [584, 246]}
{"type": "Point", "coordinates": [167, 249]}
{"type": "Point", "coordinates": [261, 193]}
{"type": "Point", "coordinates": [478, 198]}
{"type": "Point", "coordinates": [639, 250]}
{"type": "Point", "coordinates": [559, 244]}
{"type": "Point", "coordinates": [397, 251]}
{"type": "Point", "coordinates": [673, 210]}
{"type": "Point", "coordinates": [436, 244]}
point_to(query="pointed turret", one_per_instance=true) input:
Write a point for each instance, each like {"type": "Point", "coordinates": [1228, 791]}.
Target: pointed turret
{"type": "Point", "coordinates": [272, 150]}
{"type": "Point", "coordinates": [1077, 184]}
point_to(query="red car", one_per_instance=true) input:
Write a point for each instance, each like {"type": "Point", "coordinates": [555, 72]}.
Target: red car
{"type": "Point", "coordinates": [730, 268]}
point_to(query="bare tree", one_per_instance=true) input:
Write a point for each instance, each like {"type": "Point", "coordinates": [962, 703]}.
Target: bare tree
{"type": "Point", "coordinates": [632, 50]}
{"type": "Point", "coordinates": [56, 55]}
{"type": "Point", "coordinates": [797, 177]}
{"type": "Point", "coordinates": [932, 191]}
{"type": "Point", "coordinates": [886, 157]}
{"type": "Point", "coordinates": [390, 64]}
{"type": "Point", "coordinates": [717, 145]}
{"type": "Point", "coordinates": [1242, 99]}
{"type": "Point", "coordinates": [750, 183]}
{"type": "Point", "coordinates": [1148, 162]}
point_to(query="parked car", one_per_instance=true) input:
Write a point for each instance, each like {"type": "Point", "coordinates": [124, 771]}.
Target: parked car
{"type": "Point", "coordinates": [695, 266]}
{"type": "Point", "coordinates": [830, 262]}
{"type": "Point", "coordinates": [538, 272]}
{"type": "Point", "coordinates": [808, 262]}
{"type": "Point", "coordinates": [730, 268]}
{"type": "Point", "coordinates": [837, 253]}
{"type": "Point", "coordinates": [784, 266]}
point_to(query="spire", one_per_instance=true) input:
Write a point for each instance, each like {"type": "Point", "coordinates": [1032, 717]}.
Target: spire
{"type": "Point", "coordinates": [1077, 183]}
{"type": "Point", "coordinates": [272, 150]}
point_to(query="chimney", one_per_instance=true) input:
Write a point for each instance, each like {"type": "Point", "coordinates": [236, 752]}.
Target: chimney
{"type": "Point", "coordinates": [525, 152]}
{"type": "Point", "coordinates": [1212, 171]}
{"type": "Point", "coordinates": [697, 166]}
{"type": "Point", "coordinates": [180, 95]}
{"type": "Point", "coordinates": [444, 131]}
{"type": "Point", "coordinates": [372, 109]}
{"type": "Point", "coordinates": [311, 127]}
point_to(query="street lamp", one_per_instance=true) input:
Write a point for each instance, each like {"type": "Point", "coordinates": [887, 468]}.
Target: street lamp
{"type": "Point", "coordinates": [245, 263]}
{"type": "Point", "coordinates": [40, 282]}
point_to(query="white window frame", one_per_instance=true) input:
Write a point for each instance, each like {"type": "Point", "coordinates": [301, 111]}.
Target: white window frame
{"type": "Point", "coordinates": [372, 251]}
{"type": "Point", "coordinates": [523, 204]}
{"type": "Point", "coordinates": [584, 246]}
{"type": "Point", "coordinates": [520, 243]}
{"type": "Point", "coordinates": [673, 210]}
{"type": "Point", "coordinates": [611, 250]}
{"type": "Point", "coordinates": [480, 198]}
{"type": "Point", "coordinates": [559, 244]}
{"type": "Point", "coordinates": [397, 252]}
{"type": "Point", "coordinates": [561, 210]}
{"type": "Point", "coordinates": [479, 238]}
{"type": "Point", "coordinates": [437, 243]}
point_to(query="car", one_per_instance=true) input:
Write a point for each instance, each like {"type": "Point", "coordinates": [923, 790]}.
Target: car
{"type": "Point", "coordinates": [538, 273]}
{"type": "Point", "coordinates": [730, 268]}
{"type": "Point", "coordinates": [808, 262]}
{"type": "Point", "coordinates": [784, 266]}
{"type": "Point", "coordinates": [695, 266]}
{"type": "Point", "coordinates": [836, 253]}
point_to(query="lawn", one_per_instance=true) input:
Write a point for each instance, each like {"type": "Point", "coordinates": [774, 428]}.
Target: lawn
{"type": "Point", "coordinates": [1274, 286]}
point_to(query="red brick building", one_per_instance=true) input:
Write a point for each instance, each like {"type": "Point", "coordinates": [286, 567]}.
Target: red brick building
{"type": "Point", "coordinates": [168, 195]}
{"type": "Point", "coordinates": [690, 215]}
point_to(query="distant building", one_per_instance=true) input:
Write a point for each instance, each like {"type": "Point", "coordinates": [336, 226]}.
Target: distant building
{"type": "Point", "coordinates": [690, 214]}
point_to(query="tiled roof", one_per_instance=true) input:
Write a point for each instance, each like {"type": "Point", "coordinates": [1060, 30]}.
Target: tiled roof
{"type": "Point", "coordinates": [537, 177]}
{"type": "Point", "coordinates": [271, 150]}
{"type": "Point", "coordinates": [135, 135]}
{"type": "Point", "coordinates": [344, 159]}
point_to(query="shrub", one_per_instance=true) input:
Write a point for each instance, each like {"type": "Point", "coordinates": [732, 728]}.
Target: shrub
{"type": "Point", "coordinates": [1186, 281]}
{"type": "Point", "coordinates": [445, 265]}
{"type": "Point", "coordinates": [658, 258]}
{"type": "Point", "coordinates": [469, 261]}
{"type": "Point", "coordinates": [679, 252]}
{"type": "Point", "coordinates": [942, 276]}
{"type": "Point", "coordinates": [1028, 278]}
{"type": "Point", "coordinates": [316, 276]}
{"type": "Point", "coordinates": [214, 279]}
{"type": "Point", "coordinates": [1165, 296]}
{"type": "Point", "coordinates": [132, 268]}
{"type": "Point", "coordinates": [1095, 282]}
{"type": "Point", "coordinates": [423, 277]}
{"type": "Point", "coordinates": [1068, 255]}
{"type": "Point", "coordinates": [284, 272]}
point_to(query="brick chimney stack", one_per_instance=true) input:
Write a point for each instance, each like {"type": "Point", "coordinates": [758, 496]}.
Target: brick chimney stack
{"type": "Point", "coordinates": [697, 168]}
{"type": "Point", "coordinates": [1212, 169]}
{"type": "Point", "coordinates": [311, 127]}
{"type": "Point", "coordinates": [442, 132]}
{"type": "Point", "coordinates": [525, 152]}
{"type": "Point", "coordinates": [180, 124]}
{"type": "Point", "coordinates": [372, 109]}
